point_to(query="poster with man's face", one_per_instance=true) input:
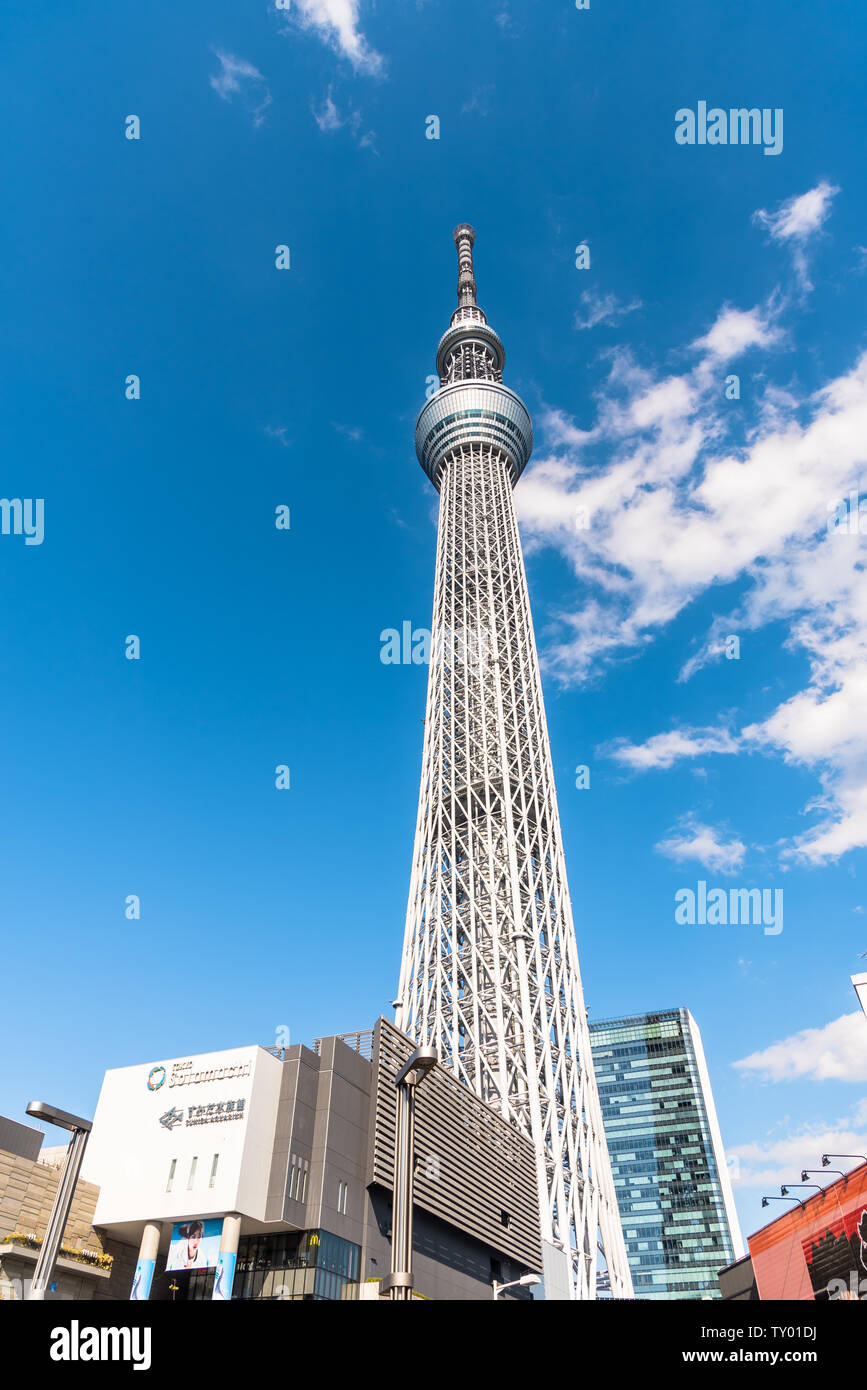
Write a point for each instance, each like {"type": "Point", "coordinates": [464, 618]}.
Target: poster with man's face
{"type": "Point", "coordinates": [194, 1245]}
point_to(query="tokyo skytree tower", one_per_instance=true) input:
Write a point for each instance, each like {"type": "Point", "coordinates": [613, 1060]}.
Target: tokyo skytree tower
{"type": "Point", "coordinates": [490, 974]}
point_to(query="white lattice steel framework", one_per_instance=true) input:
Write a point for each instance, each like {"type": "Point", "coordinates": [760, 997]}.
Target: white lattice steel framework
{"type": "Point", "coordinates": [490, 971]}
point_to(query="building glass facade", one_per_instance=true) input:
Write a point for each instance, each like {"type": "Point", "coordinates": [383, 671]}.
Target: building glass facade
{"type": "Point", "coordinates": [669, 1169]}
{"type": "Point", "coordinates": [292, 1265]}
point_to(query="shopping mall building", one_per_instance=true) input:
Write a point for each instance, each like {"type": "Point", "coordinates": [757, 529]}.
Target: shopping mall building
{"type": "Point", "coordinates": [266, 1173]}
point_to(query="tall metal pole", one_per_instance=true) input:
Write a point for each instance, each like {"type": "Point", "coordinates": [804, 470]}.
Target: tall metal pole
{"type": "Point", "coordinates": [401, 1240]}
{"type": "Point", "coordinates": [398, 1285]}
{"type": "Point", "coordinates": [59, 1214]}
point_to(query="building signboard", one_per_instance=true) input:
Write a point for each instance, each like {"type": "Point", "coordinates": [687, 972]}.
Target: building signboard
{"type": "Point", "coordinates": [185, 1139]}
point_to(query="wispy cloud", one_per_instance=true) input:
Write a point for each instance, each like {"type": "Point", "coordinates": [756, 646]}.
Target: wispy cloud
{"type": "Point", "coordinates": [353, 432]}
{"type": "Point", "coordinates": [329, 118]}
{"type": "Point", "coordinates": [692, 840]}
{"type": "Point", "coordinates": [238, 78]}
{"type": "Point", "coordinates": [278, 432]}
{"type": "Point", "coordinates": [605, 309]}
{"type": "Point", "coordinates": [778, 1158]}
{"type": "Point", "coordinates": [336, 22]}
{"type": "Point", "coordinates": [479, 100]}
{"type": "Point", "coordinates": [798, 219]}
{"type": "Point", "coordinates": [559, 429]}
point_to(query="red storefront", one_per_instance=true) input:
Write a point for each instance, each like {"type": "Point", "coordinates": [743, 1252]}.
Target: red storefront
{"type": "Point", "coordinates": [818, 1250]}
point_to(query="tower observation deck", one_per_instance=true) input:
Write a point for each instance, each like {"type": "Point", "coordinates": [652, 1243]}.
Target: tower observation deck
{"type": "Point", "coordinates": [490, 972]}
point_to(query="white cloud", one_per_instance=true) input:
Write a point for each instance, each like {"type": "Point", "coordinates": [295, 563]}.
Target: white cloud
{"type": "Point", "coordinates": [663, 750]}
{"type": "Point", "coordinates": [336, 22]}
{"type": "Point", "coordinates": [479, 100]}
{"type": "Point", "coordinates": [559, 429]}
{"type": "Point", "coordinates": [669, 401]}
{"type": "Point", "coordinates": [602, 309]}
{"type": "Point", "coordinates": [655, 504]}
{"type": "Point", "coordinates": [773, 1160]}
{"type": "Point", "coordinates": [704, 843]}
{"type": "Point", "coordinates": [734, 331]}
{"type": "Point", "coordinates": [353, 432]}
{"type": "Point", "coordinates": [328, 117]}
{"type": "Point", "coordinates": [798, 219]}
{"type": "Point", "coordinates": [836, 1052]}
{"type": "Point", "coordinates": [237, 77]}
{"type": "Point", "coordinates": [278, 432]}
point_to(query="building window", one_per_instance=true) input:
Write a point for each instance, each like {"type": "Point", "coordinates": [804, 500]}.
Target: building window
{"type": "Point", "coordinates": [505, 1219]}
{"type": "Point", "coordinates": [172, 1166]}
{"type": "Point", "coordinates": [295, 1178]}
{"type": "Point", "coordinates": [342, 1194]}
{"type": "Point", "coordinates": [298, 1178]}
{"type": "Point", "coordinates": [192, 1174]}
{"type": "Point", "coordinates": [213, 1177]}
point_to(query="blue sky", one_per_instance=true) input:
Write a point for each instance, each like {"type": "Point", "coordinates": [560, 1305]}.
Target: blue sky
{"type": "Point", "coordinates": [703, 517]}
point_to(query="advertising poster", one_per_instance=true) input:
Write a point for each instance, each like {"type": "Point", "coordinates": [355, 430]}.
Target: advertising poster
{"type": "Point", "coordinates": [195, 1245]}
{"type": "Point", "coordinates": [837, 1250]}
{"type": "Point", "coordinates": [141, 1284]}
{"type": "Point", "coordinates": [225, 1276]}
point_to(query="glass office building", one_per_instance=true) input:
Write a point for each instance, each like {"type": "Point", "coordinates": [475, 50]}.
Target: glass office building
{"type": "Point", "coordinates": [669, 1167]}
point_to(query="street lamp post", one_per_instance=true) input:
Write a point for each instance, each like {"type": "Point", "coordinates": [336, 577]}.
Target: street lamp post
{"type": "Point", "coordinates": [398, 1284]}
{"type": "Point", "coordinates": [65, 1190]}
{"type": "Point", "coordinates": [766, 1200]}
{"type": "Point", "coordinates": [821, 1173]}
{"type": "Point", "coordinates": [525, 1281]}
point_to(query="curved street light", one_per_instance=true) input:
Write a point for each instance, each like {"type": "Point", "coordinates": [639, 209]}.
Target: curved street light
{"type": "Point", "coordinates": [765, 1200]}
{"type": "Point", "coordinates": [525, 1281]}
{"type": "Point", "coordinates": [398, 1284]}
{"type": "Point", "coordinates": [80, 1128]}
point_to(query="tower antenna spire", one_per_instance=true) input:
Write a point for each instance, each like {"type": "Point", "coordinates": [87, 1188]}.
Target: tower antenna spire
{"type": "Point", "coordinates": [464, 235]}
